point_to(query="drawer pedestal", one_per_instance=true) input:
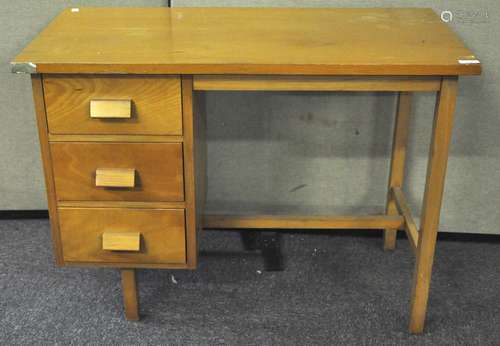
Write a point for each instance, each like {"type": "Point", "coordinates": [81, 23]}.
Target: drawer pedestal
{"type": "Point", "coordinates": [119, 161]}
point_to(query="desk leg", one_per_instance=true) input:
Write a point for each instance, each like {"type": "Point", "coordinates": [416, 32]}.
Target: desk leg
{"type": "Point", "coordinates": [431, 207]}
{"type": "Point", "coordinates": [130, 297]}
{"type": "Point", "coordinates": [250, 239]}
{"type": "Point", "coordinates": [271, 250]}
{"type": "Point", "coordinates": [396, 174]}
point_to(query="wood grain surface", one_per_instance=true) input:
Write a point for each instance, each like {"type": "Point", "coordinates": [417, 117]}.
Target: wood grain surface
{"type": "Point", "coordinates": [162, 234]}
{"type": "Point", "coordinates": [315, 83]}
{"type": "Point", "coordinates": [431, 205]}
{"type": "Point", "coordinates": [41, 119]}
{"type": "Point", "coordinates": [130, 294]}
{"type": "Point", "coordinates": [398, 160]}
{"type": "Point", "coordinates": [304, 222]}
{"type": "Point", "coordinates": [320, 41]}
{"type": "Point", "coordinates": [156, 104]}
{"type": "Point", "coordinates": [158, 167]}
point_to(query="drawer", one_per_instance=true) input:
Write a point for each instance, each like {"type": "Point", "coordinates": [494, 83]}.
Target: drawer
{"type": "Point", "coordinates": [160, 235]}
{"type": "Point", "coordinates": [118, 171]}
{"type": "Point", "coordinates": [140, 105]}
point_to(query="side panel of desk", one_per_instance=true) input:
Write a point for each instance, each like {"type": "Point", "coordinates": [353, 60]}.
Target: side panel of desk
{"type": "Point", "coordinates": [37, 85]}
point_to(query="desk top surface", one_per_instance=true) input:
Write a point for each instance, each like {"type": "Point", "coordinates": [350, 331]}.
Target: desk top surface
{"type": "Point", "coordinates": [324, 41]}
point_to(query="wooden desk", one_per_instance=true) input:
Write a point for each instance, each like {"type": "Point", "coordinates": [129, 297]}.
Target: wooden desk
{"type": "Point", "coordinates": [122, 143]}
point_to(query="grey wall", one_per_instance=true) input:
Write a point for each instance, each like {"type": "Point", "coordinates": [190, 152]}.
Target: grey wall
{"type": "Point", "coordinates": [328, 153]}
{"type": "Point", "coordinates": [21, 178]}
{"type": "Point", "coordinates": [297, 152]}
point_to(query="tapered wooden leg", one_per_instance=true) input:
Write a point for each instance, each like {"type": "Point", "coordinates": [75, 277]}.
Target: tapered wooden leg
{"type": "Point", "coordinates": [396, 174]}
{"type": "Point", "coordinates": [130, 297]}
{"type": "Point", "coordinates": [431, 207]}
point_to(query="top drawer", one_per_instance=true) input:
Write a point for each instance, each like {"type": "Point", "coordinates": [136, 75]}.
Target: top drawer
{"type": "Point", "coordinates": [155, 104]}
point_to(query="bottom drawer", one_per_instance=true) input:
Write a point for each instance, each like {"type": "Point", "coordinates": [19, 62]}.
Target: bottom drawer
{"type": "Point", "coordinates": [140, 236]}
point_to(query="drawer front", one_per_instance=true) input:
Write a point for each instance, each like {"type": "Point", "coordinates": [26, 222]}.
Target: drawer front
{"type": "Point", "coordinates": [161, 232]}
{"type": "Point", "coordinates": [118, 171]}
{"type": "Point", "coordinates": [141, 105]}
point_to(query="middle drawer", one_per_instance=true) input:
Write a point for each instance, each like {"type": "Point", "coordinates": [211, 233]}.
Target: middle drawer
{"type": "Point", "coordinates": [118, 171]}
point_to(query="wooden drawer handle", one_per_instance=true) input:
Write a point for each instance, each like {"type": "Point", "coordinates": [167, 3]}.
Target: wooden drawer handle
{"type": "Point", "coordinates": [121, 241]}
{"type": "Point", "coordinates": [114, 109]}
{"type": "Point", "coordinates": [115, 177]}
